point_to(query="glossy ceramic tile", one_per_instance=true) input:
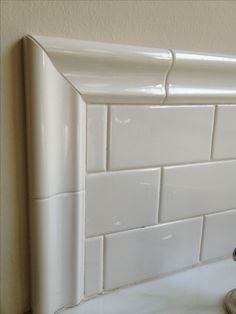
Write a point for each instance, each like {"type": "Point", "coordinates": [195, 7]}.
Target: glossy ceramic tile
{"type": "Point", "coordinates": [225, 133]}
{"type": "Point", "coordinates": [93, 266]}
{"type": "Point", "coordinates": [114, 73]}
{"type": "Point", "coordinates": [109, 73]}
{"type": "Point", "coordinates": [56, 116]}
{"type": "Point", "coordinates": [219, 235]}
{"type": "Point", "coordinates": [200, 290]}
{"type": "Point", "coordinates": [144, 136]}
{"type": "Point", "coordinates": [198, 189]}
{"type": "Point", "coordinates": [56, 138]}
{"type": "Point", "coordinates": [201, 78]}
{"type": "Point", "coordinates": [62, 77]}
{"type": "Point", "coordinates": [57, 254]}
{"type": "Point", "coordinates": [121, 200]}
{"type": "Point", "coordinates": [96, 137]}
{"type": "Point", "coordinates": [141, 254]}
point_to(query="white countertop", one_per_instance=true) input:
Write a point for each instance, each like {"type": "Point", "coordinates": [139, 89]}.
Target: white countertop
{"type": "Point", "coordinates": [195, 291]}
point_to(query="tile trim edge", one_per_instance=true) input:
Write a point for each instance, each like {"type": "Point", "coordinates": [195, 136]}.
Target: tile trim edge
{"type": "Point", "coordinates": [210, 77]}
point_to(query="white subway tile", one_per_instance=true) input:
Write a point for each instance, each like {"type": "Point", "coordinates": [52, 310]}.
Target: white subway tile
{"type": "Point", "coordinates": [219, 235]}
{"type": "Point", "coordinates": [197, 189]}
{"type": "Point", "coordinates": [225, 132]}
{"type": "Point", "coordinates": [93, 266]}
{"type": "Point", "coordinates": [143, 136]}
{"type": "Point", "coordinates": [141, 254]}
{"type": "Point", "coordinates": [96, 137]}
{"type": "Point", "coordinates": [121, 200]}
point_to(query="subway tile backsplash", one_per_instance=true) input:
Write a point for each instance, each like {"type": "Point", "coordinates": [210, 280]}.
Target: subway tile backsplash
{"type": "Point", "coordinates": [194, 190]}
{"type": "Point", "coordinates": [160, 190]}
{"type": "Point", "coordinates": [121, 200]}
{"type": "Point", "coordinates": [144, 136]}
{"type": "Point", "coordinates": [141, 254]}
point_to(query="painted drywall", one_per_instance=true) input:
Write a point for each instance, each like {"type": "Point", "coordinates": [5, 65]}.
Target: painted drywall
{"type": "Point", "coordinates": [189, 25]}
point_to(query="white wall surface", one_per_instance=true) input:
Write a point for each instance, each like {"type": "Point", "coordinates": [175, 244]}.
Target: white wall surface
{"type": "Point", "coordinates": [190, 25]}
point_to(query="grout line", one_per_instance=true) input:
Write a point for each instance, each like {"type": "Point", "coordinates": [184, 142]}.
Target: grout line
{"type": "Point", "coordinates": [84, 274]}
{"type": "Point", "coordinates": [86, 141]}
{"type": "Point", "coordinates": [204, 162]}
{"type": "Point", "coordinates": [163, 223]}
{"type": "Point", "coordinates": [103, 263]}
{"type": "Point", "coordinates": [38, 199]}
{"type": "Point", "coordinates": [202, 238]}
{"type": "Point", "coordinates": [108, 130]}
{"type": "Point", "coordinates": [83, 224]}
{"type": "Point", "coordinates": [215, 115]}
{"type": "Point", "coordinates": [175, 104]}
{"type": "Point", "coordinates": [166, 81]}
{"type": "Point", "coordinates": [158, 216]}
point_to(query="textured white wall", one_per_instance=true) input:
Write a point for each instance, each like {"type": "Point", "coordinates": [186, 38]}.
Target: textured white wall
{"type": "Point", "coordinates": [193, 25]}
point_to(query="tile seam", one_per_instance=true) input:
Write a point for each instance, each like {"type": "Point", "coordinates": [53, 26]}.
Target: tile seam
{"type": "Point", "coordinates": [66, 193]}
{"type": "Point", "coordinates": [108, 136]}
{"type": "Point", "coordinates": [166, 80]}
{"type": "Point", "coordinates": [103, 261]}
{"type": "Point", "coordinates": [160, 196]}
{"type": "Point", "coordinates": [215, 116]}
{"type": "Point", "coordinates": [202, 237]}
{"type": "Point", "coordinates": [204, 162]}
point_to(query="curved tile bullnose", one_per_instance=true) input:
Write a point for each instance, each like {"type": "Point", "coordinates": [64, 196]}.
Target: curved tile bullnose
{"type": "Point", "coordinates": [200, 78]}
{"type": "Point", "coordinates": [109, 72]}
{"type": "Point", "coordinates": [56, 115]}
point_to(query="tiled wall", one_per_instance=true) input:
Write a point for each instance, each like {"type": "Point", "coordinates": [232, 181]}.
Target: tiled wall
{"type": "Point", "coordinates": [160, 190]}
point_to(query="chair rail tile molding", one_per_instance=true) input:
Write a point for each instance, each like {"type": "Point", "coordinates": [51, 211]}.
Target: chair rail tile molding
{"type": "Point", "coordinates": [132, 164]}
